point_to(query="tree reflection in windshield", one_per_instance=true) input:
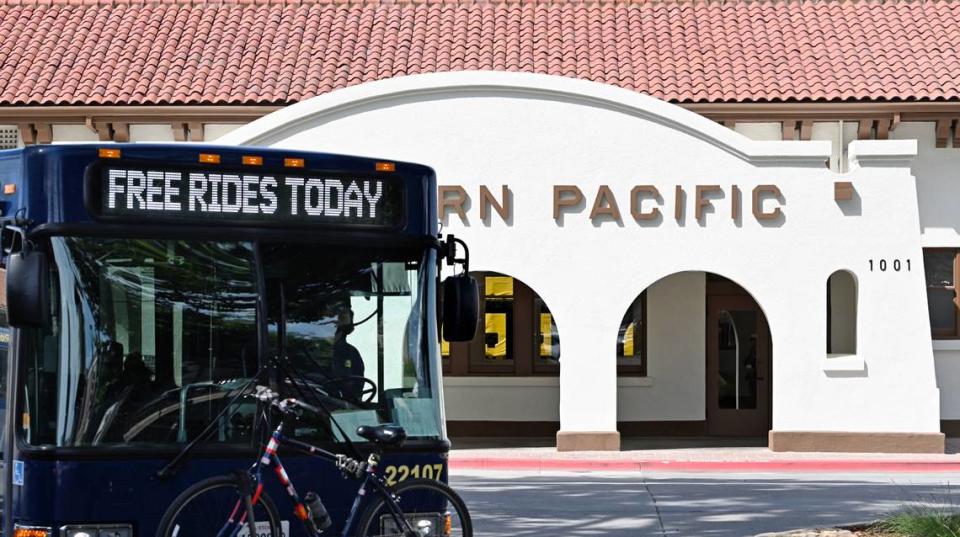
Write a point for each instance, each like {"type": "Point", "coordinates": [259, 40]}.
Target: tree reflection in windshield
{"type": "Point", "coordinates": [137, 322]}
{"type": "Point", "coordinates": [149, 339]}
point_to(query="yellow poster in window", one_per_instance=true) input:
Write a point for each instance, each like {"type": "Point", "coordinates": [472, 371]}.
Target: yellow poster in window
{"type": "Point", "coordinates": [444, 347]}
{"type": "Point", "coordinates": [628, 340]}
{"type": "Point", "coordinates": [496, 331]}
{"type": "Point", "coordinates": [546, 333]}
{"type": "Point", "coordinates": [498, 286]}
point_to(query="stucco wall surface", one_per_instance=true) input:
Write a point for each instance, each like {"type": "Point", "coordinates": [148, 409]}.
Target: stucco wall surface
{"type": "Point", "coordinates": [531, 132]}
{"type": "Point", "coordinates": [937, 171]}
{"type": "Point", "coordinates": [502, 398]}
{"type": "Point", "coordinates": [676, 364]}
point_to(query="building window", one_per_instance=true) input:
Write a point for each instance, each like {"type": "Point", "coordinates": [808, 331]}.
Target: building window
{"type": "Point", "coordinates": [632, 339]}
{"type": "Point", "coordinates": [517, 334]}
{"type": "Point", "coordinates": [841, 313]}
{"type": "Point", "coordinates": [940, 266]}
{"type": "Point", "coordinates": [547, 338]}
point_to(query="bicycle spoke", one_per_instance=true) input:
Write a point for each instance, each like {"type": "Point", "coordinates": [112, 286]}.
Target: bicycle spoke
{"type": "Point", "coordinates": [217, 512]}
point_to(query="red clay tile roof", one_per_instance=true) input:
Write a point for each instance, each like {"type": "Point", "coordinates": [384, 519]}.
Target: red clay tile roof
{"type": "Point", "coordinates": [149, 52]}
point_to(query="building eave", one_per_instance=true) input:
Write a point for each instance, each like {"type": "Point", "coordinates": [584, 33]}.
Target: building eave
{"type": "Point", "coordinates": [111, 123]}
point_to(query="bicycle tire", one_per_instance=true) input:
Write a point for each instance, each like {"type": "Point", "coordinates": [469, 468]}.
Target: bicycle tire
{"type": "Point", "coordinates": [229, 486]}
{"type": "Point", "coordinates": [416, 490]}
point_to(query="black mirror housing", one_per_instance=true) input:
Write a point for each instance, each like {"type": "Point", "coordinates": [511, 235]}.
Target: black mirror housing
{"type": "Point", "coordinates": [461, 307]}
{"type": "Point", "coordinates": [28, 303]}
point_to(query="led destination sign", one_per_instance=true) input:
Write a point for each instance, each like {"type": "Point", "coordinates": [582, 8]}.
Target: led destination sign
{"type": "Point", "coordinates": [203, 195]}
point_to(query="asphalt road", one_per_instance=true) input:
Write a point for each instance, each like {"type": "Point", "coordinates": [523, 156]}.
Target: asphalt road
{"type": "Point", "coordinates": [518, 504]}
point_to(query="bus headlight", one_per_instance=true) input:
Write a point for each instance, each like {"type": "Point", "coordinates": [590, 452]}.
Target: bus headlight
{"type": "Point", "coordinates": [95, 530]}
{"type": "Point", "coordinates": [31, 531]}
{"type": "Point", "coordinates": [424, 525]}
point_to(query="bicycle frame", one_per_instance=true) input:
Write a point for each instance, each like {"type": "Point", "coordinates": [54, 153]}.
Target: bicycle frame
{"type": "Point", "coordinates": [370, 480]}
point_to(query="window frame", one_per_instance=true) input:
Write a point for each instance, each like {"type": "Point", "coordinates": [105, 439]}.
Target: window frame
{"type": "Point", "coordinates": [540, 364]}
{"type": "Point", "coordinates": [462, 359]}
{"type": "Point", "coordinates": [830, 350]}
{"type": "Point", "coordinates": [944, 334]}
{"type": "Point", "coordinates": [636, 370]}
{"type": "Point", "coordinates": [465, 358]}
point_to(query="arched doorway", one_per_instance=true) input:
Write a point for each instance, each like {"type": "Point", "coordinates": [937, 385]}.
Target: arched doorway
{"type": "Point", "coordinates": [738, 351]}
{"type": "Point", "coordinates": [693, 360]}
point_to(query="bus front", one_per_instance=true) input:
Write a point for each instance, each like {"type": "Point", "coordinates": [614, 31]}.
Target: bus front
{"type": "Point", "coordinates": [174, 275]}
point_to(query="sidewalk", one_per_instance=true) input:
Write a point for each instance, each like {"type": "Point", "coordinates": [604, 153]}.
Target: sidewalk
{"type": "Point", "coordinates": [689, 455]}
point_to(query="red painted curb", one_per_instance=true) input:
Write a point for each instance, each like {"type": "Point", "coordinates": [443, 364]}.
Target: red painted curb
{"type": "Point", "coordinates": [619, 465]}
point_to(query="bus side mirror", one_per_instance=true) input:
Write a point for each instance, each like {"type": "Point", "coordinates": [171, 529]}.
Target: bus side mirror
{"type": "Point", "coordinates": [27, 301]}
{"type": "Point", "coordinates": [461, 307]}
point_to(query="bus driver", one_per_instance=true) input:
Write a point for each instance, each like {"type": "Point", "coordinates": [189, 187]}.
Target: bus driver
{"type": "Point", "coordinates": [347, 363]}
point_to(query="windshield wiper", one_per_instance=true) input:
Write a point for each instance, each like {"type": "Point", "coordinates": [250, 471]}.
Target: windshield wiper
{"type": "Point", "coordinates": [315, 401]}
{"type": "Point", "coordinates": [172, 467]}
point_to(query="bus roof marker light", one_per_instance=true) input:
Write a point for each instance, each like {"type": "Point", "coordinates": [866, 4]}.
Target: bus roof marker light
{"type": "Point", "coordinates": [10, 188]}
{"type": "Point", "coordinates": [209, 158]}
{"type": "Point", "coordinates": [106, 152]}
{"type": "Point", "coordinates": [386, 167]}
{"type": "Point", "coordinates": [293, 162]}
{"type": "Point", "coordinates": [251, 160]}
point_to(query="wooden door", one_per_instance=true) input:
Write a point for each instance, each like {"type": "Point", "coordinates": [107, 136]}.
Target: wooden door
{"type": "Point", "coordinates": [738, 367]}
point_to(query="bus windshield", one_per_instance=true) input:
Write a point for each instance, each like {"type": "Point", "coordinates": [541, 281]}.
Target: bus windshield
{"type": "Point", "coordinates": [150, 338]}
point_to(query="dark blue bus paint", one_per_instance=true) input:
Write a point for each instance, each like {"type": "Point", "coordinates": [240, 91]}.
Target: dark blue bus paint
{"type": "Point", "coordinates": [119, 485]}
{"type": "Point", "coordinates": [128, 491]}
{"type": "Point", "coordinates": [46, 199]}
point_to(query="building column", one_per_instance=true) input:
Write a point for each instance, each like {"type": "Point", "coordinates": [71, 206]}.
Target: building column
{"type": "Point", "coordinates": [588, 383]}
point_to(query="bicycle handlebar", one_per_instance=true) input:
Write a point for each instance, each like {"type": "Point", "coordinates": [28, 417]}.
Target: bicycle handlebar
{"type": "Point", "coordinates": [345, 464]}
{"type": "Point", "coordinates": [286, 406]}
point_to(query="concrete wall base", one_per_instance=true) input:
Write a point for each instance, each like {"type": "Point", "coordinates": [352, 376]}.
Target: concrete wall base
{"type": "Point", "coordinates": [501, 429]}
{"type": "Point", "coordinates": [588, 441]}
{"type": "Point", "coordinates": [850, 442]}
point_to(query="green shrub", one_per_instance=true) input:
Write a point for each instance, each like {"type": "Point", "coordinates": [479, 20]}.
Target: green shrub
{"type": "Point", "coordinates": [923, 522]}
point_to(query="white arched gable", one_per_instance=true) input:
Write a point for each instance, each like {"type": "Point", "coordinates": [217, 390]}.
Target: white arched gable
{"type": "Point", "coordinates": [532, 133]}
{"type": "Point", "coordinates": [279, 126]}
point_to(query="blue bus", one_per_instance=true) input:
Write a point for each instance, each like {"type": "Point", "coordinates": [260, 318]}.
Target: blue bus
{"type": "Point", "coordinates": [147, 283]}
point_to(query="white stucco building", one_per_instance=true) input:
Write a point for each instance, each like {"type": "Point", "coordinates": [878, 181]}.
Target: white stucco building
{"type": "Point", "coordinates": [754, 288]}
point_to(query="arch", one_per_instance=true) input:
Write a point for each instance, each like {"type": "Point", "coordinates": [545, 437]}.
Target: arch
{"type": "Point", "coordinates": [730, 273]}
{"type": "Point", "coordinates": [278, 125]}
{"type": "Point", "coordinates": [689, 375]}
{"type": "Point", "coordinates": [841, 314]}
{"type": "Point", "coordinates": [513, 363]}
{"type": "Point", "coordinates": [516, 325]}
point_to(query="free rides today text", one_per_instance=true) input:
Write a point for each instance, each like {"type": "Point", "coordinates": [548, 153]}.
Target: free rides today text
{"type": "Point", "coordinates": [226, 193]}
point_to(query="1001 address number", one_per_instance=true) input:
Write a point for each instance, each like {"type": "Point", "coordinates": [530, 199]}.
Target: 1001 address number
{"type": "Point", "coordinates": [894, 265]}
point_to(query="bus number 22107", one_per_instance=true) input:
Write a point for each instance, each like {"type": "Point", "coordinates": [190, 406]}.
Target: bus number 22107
{"type": "Point", "coordinates": [396, 474]}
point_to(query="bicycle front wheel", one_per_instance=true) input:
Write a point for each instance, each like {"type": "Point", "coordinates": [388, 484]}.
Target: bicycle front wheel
{"type": "Point", "coordinates": [432, 508]}
{"type": "Point", "coordinates": [216, 507]}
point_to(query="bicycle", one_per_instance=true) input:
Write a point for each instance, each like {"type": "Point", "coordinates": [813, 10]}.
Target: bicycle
{"type": "Point", "coordinates": [226, 506]}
